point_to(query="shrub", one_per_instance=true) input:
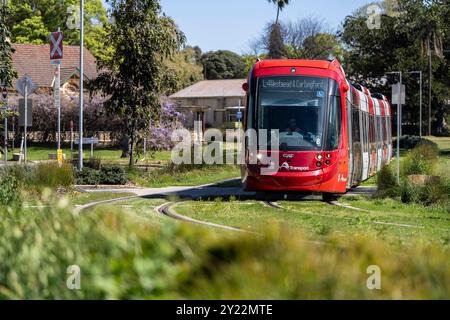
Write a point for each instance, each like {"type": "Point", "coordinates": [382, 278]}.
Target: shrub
{"type": "Point", "coordinates": [88, 176]}
{"type": "Point", "coordinates": [109, 175]}
{"type": "Point", "coordinates": [9, 188]}
{"type": "Point", "coordinates": [421, 159]}
{"type": "Point", "coordinates": [410, 142]}
{"type": "Point", "coordinates": [432, 194]}
{"type": "Point", "coordinates": [113, 175]}
{"type": "Point", "coordinates": [386, 179]}
{"type": "Point", "coordinates": [52, 175]}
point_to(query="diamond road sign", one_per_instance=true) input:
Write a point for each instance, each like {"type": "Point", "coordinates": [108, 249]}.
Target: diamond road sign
{"type": "Point", "coordinates": [23, 82]}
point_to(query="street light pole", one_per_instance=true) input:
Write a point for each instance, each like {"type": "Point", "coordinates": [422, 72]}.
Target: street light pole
{"type": "Point", "coordinates": [80, 146]}
{"type": "Point", "coordinates": [421, 94]}
{"type": "Point", "coordinates": [399, 121]}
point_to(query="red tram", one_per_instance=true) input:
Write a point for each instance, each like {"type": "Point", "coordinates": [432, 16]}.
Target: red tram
{"type": "Point", "coordinates": [332, 135]}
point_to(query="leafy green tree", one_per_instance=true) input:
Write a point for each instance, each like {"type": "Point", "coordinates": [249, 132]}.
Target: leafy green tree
{"type": "Point", "coordinates": [398, 44]}
{"type": "Point", "coordinates": [281, 4]}
{"type": "Point", "coordinates": [184, 68]}
{"type": "Point", "coordinates": [31, 30]}
{"type": "Point", "coordinates": [7, 73]}
{"type": "Point", "coordinates": [305, 38]}
{"type": "Point", "coordinates": [134, 79]}
{"type": "Point", "coordinates": [31, 22]}
{"type": "Point", "coordinates": [223, 64]}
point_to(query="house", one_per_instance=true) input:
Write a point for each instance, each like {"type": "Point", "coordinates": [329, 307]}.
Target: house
{"type": "Point", "coordinates": [214, 102]}
{"type": "Point", "coordinates": [34, 60]}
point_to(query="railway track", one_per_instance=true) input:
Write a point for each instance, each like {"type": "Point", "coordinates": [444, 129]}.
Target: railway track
{"type": "Point", "coordinates": [167, 210]}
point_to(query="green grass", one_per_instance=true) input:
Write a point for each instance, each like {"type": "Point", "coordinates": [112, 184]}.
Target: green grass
{"type": "Point", "coordinates": [107, 155]}
{"type": "Point", "coordinates": [125, 255]}
{"type": "Point", "coordinates": [140, 210]}
{"type": "Point", "coordinates": [194, 176]}
{"type": "Point", "coordinates": [81, 198]}
{"type": "Point", "coordinates": [388, 220]}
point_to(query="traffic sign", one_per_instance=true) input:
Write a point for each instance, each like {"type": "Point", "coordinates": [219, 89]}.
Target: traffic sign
{"type": "Point", "coordinates": [26, 82]}
{"type": "Point", "coordinates": [396, 97]}
{"type": "Point", "coordinates": [87, 141]}
{"type": "Point", "coordinates": [56, 45]}
{"type": "Point", "coordinates": [239, 115]}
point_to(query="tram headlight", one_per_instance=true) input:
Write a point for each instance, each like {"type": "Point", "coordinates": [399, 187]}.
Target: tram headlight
{"type": "Point", "coordinates": [319, 157]}
{"type": "Point", "coordinates": [318, 164]}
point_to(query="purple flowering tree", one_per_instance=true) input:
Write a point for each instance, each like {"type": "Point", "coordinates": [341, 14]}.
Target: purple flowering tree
{"type": "Point", "coordinates": [159, 137]}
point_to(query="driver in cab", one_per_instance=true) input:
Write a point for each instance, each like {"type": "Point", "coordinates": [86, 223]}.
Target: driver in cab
{"type": "Point", "coordinates": [292, 127]}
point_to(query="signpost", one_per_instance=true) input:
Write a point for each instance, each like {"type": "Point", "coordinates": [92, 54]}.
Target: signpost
{"type": "Point", "coordinates": [25, 86]}
{"type": "Point", "coordinates": [80, 147]}
{"type": "Point", "coordinates": [398, 98]}
{"type": "Point", "coordinates": [56, 54]}
{"type": "Point", "coordinates": [90, 141]}
{"type": "Point", "coordinates": [5, 99]}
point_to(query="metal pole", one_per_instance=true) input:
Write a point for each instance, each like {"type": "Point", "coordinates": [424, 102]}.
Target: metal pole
{"type": "Point", "coordinates": [429, 91]}
{"type": "Point", "coordinates": [80, 146]}
{"type": "Point", "coordinates": [399, 125]}
{"type": "Point", "coordinates": [420, 73]}
{"type": "Point", "coordinates": [25, 117]}
{"type": "Point", "coordinates": [71, 139]}
{"type": "Point", "coordinates": [6, 131]}
{"type": "Point", "coordinates": [13, 134]}
{"type": "Point", "coordinates": [57, 91]}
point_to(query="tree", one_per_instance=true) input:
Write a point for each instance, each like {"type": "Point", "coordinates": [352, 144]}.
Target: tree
{"type": "Point", "coordinates": [281, 4]}
{"type": "Point", "coordinates": [133, 80]}
{"type": "Point", "coordinates": [306, 38]}
{"type": "Point", "coordinates": [31, 22]}
{"type": "Point", "coordinates": [7, 73]}
{"type": "Point", "coordinates": [398, 44]}
{"type": "Point", "coordinates": [276, 48]}
{"type": "Point", "coordinates": [183, 69]}
{"type": "Point", "coordinates": [223, 64]}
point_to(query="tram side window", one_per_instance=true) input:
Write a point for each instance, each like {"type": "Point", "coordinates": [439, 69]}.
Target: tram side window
{"type": "Point", "coordinates": [334, 123]}
{"type": "Point", "coordinates": [379, 136]}
{"type": "Point", "coordinates": [372, 128]}
{"type": "Point", "coordinates": [385, 138]}
{"type": "Point", "coordinates": [356, 137]}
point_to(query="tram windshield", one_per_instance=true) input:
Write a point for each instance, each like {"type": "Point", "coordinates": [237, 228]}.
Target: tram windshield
{"type": "Point", "coordinates": [296, 106]}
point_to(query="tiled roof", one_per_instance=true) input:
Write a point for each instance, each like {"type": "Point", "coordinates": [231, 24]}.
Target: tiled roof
{"type": "Point", "coordinates": [212, 89]}
{"type": "Point", "coordinates": [34, 60]}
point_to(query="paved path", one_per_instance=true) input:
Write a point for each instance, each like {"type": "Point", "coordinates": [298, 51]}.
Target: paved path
{"type": "Point", "coordinates": [203, 192]}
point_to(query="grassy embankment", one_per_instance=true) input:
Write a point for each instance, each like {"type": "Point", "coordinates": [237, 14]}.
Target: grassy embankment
{"type": "Point", "coordinates": [307, 251]}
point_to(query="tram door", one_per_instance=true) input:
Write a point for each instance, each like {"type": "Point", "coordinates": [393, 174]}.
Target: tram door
{"type": "Point", "coordinates": [357, 146]}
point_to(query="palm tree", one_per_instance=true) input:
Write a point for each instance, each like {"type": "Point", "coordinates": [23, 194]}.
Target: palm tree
{"type": "Point", "coordinates": [280, 6]}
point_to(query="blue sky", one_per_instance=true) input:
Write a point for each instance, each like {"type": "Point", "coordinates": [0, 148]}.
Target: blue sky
{"type": "Point", "coordinates": [231, 24]}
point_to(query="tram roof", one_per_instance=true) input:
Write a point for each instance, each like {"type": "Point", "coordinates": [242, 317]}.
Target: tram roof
{"type": "Point", "coordinates": [321, 64]}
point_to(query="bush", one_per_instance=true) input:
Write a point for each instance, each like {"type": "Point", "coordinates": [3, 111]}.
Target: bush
{"type": "Point", "coordinates": [410, 142]}
{"type": "Point", "coordinates": [386, 179]}
{"type": "Point", "coordinates": [421, 159]}
{"type": "Point", "coordinates": [113, 175]}
{"type": "Point", "coordinates": [52, 175]}
{"type": "Point", "coordinates": [88, 176]}
{"type": "Point", "coordinates": [9, 188]}
{"type": "Point", "coordinates": [109, 175]}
